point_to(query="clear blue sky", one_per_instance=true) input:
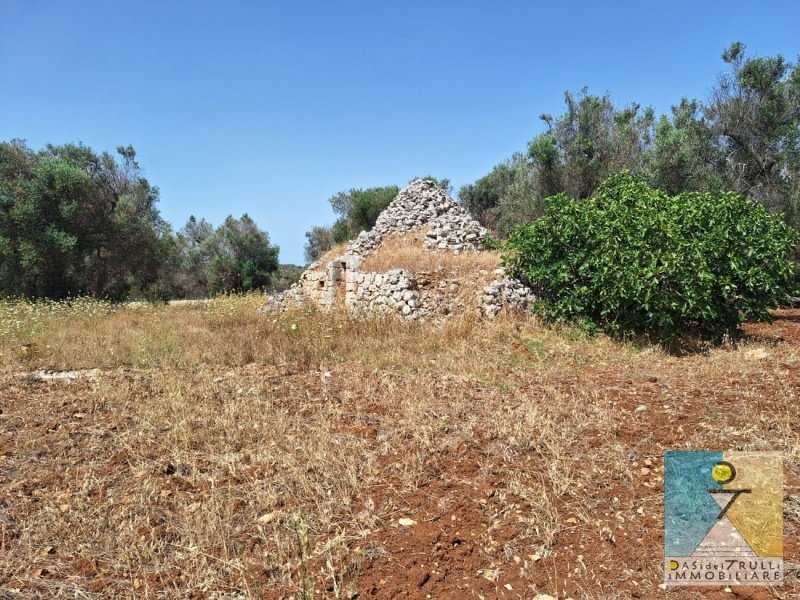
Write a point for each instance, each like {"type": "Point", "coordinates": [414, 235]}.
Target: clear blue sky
{"type": "Point", "coordinates": [270, 108]}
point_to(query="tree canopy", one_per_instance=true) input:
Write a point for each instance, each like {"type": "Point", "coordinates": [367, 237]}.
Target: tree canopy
{"type": "Point", "coordinates": [358, 209]}
{"type": "Point", "coordinates": [75, 222]}
{"type": "Point", "coordinates": [755, 110]}
{"type": "Point", "coordinates": [745, 137]}
{"type": "Point", "coordinates": [236, 256]}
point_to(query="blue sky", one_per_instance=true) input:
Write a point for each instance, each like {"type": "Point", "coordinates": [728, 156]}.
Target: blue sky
{"type": "Point", "coordinates": [270, 108]}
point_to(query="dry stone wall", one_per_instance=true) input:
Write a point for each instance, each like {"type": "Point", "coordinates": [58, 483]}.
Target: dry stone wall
{"type": "Point", "coordinates": [392, 292]}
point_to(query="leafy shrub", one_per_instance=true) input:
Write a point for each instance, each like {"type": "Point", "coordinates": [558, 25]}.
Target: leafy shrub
{"type": "Point", "coordinates": [491, 243]}
{"type": "Point", "coordinates": [632, 259]}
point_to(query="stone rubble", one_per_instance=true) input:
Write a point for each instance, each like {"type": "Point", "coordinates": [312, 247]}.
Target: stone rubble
{"type": "Point", "coordinates": [508, 292]}
{"type": "Point", "coordinates": [422, 203]}
{"type": "Point", "coordinates": [412, 296]}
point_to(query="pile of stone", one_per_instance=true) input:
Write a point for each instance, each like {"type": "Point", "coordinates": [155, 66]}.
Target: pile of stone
{"type": "Point", "coordinates": [453, 232]}
{"type": "Point", "coordinates": [443, 293]}
{"type": "Point", "coordinates": [506, 292]}
{"type": "Point", "coordinates": [422, 203]}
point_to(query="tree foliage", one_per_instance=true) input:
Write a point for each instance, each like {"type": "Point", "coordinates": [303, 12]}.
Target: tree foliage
{"type": "Point", "coordinates": [635, 259]}
{"type": "Point", "coordinates": [319, 240]}
{"type": "Point", "coordinates": [745, 138]}
{"type": "Point", "coordinates": [76, 222]}
{"type": "Point", "coordinates": [755, 108]}
{"type": "Point", "coordinates": [285, 276]}
{"type": "Point", "coordinates": [235, 257]}
{"type": "Point", "coordinates": [358, 209]}
{"type": "Point", "coordinates": [588, 143]}
{"type": "Point", "coordinates": [505, 197]}
{"type": "Point", "coordinates": [685, 155]}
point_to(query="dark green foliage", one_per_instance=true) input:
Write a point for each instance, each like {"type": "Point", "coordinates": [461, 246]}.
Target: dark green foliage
{"type": "Point", "coordinates": [756, 112]}
{"type": "Point", "coordinates": [76, 222]}
{"type": "Point", "coordinates": [285, 276]}
{"type": "Point", "coordinates": [505, 197]}
{"type": "Point", "coordinates": [192, 274]}
{"type": "Point", "coordinates": [358, 209]}
{"type": "Point", "coordinates": [588, 143]}
{"type": "Point", "coordinates": [235, 257]}
{"type": "Point", "coordinates": [580, 148]}
{"type": "Point", "coordinates": [685, 155]}
{"type": "Point", "coordinates": [342, 231]}
{"type": "Point", "coordinates": [491, 243]}
{"type": "Point", "coordinates": [318, 241]}
{"type": "Point", "coordinates": [632, 259]}
{"type": "Point", "coordinates": [484, 195]}
{"type": "Point", "coordinates": [745, 138]}
{"type": "Point", "coordinates": [240, 257]}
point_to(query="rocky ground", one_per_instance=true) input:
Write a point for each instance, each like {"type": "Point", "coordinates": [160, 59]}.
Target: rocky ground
{"type": "Point", "coordinates": [205, 451]}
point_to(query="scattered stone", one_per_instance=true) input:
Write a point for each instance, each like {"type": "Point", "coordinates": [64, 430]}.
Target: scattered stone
{"type": "Point", "coordinates": [267, 518]}
{"type": "Point", "coordinates": [49, 375]}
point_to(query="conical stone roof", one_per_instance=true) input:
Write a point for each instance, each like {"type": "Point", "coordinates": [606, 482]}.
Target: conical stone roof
{"type": "Point", "coordinates": [421, 203]}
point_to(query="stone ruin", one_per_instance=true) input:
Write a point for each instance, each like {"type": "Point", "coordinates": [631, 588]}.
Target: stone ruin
{"type": "Point", "coordinates": [443, 226]}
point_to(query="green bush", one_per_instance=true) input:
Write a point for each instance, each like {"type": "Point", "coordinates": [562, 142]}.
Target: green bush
{"type": "Point", "coordinates": [632, 259]}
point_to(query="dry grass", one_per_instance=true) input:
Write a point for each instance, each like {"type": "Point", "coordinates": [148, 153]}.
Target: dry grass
{"type": "Point", "coordinates": [333, 253]}
{"type": "Point", "coordinates": [405, 251]}
{"type": "Point", "coordinates": [224, 453]}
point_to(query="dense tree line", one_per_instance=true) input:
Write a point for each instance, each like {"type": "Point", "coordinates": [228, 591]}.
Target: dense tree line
{"type": "Point", "coordinates": [236, 256]}
{"type": "Point", "coordinates": [74, 222]}
{"type": "Point", "coordinates": [745, 137]}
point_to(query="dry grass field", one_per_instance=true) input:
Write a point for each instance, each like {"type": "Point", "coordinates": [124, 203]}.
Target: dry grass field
{"type": "Point", "coordinates": [207, 451]}
{"type": "Point", "coordinates": [405, 251]}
